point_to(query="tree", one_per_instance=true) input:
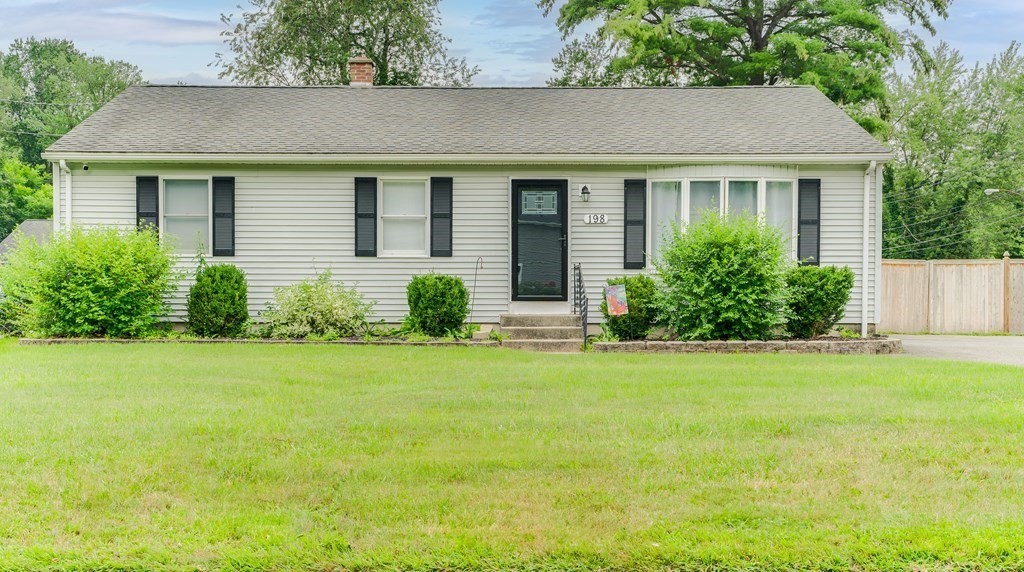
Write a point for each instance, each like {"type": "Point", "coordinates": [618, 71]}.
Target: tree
{"type": "Point", "coordinates": [841, 46]}
{"type": "Point", "coordinates": [48, 86]}
{"type": "Point", "coordinates": [956, 132]}
{"type": "Point", "coordinates": [309, 42]}
{"type": "Point", "coordinates": [25, 192]}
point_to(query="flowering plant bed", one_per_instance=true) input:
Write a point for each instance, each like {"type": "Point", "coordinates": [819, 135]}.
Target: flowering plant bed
{"type": "Point", "coordinates": [872, 346]}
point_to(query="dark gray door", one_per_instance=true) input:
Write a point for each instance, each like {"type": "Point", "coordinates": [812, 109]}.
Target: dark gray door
{"type": "Point", "coordinates": [540, 240]}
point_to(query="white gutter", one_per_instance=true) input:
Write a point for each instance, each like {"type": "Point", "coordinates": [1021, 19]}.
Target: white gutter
{"type": "Point", "coordinates": [867, 251]}
{"type": "Point", "coordinates": [456, 159]}
{"type": "Point", "coordinates": [56, 197]}
{"type": "Point", "coordinates": [67, 193]}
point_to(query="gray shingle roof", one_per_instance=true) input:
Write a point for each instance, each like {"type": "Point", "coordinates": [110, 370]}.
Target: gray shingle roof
{"type": "Point", "coordinates": [386, 120]}
{"type": "Point", "coordinates": [39, 229]}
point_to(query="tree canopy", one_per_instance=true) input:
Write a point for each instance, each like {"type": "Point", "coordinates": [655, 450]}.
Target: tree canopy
{"type": "Point", "coordinates": [309, 42]}
{"type": "Point", "coordinates": [48, 86]}
{"type": "Point", "coordinates": [956, 131]}
{"type": "Point", "coordinates": [25, 193]}
{"type": "Point", "coordinates": [844, 47]}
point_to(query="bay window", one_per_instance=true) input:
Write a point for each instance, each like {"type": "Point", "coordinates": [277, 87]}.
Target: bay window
{"type": "Point", "coordinates": [679, 203]}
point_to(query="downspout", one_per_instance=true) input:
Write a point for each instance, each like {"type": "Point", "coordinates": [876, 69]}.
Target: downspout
{"type": "Point", "coordinates": [67, 193]}
{"type": "Point", "coordinates": [56, 197]}
{"type": "Point", "coordinates": [865, 261]}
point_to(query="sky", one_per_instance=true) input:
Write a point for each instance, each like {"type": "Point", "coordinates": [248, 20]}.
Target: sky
{"type": "Point", "coordinates": [510, 40]}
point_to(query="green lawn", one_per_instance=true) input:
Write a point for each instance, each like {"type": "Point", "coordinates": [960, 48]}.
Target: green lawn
{"type": "Point", "coordinates": [177, 457]}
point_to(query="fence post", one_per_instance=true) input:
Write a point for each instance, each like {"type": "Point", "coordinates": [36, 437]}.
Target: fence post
{"type": "Point", "coordinates": [928, 298]}
{"type": "Point", "coordinates": [1006, 292]}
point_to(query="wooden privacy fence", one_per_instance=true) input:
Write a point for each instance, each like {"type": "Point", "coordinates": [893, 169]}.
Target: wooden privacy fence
{"type": "Point", "coordinates": [953, 296]}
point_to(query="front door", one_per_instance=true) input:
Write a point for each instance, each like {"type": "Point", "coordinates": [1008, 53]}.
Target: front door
{"type": "Point", "coordinates": [539, 240]}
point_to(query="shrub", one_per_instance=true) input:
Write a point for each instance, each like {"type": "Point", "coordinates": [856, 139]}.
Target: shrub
{"type": "Point", "coordinates": [89, 283]}
{"type": "Point", "coordinates": [641, 299]}
{"type": "Point", "coordinates": [724, 278]}
{"type": "Point", "coordinates": [817, 299]}
{"type": "Point", "coordinates": [218, 302]}
{"type": "Point", "coordinates": [318, 308]}
{"type": "Point", "coordinates": [438, 304]}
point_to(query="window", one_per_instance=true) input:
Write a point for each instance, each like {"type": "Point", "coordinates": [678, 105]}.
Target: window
{"type": "Point", "coordinates": [780, 203]}
{"type": "Point", "coordinates": [775, 201]}
{"type": "Point", "coordinates": [742, 198]}
{"type": "Point", "coordinates": [704, 196]}
{"type": "Point", "coordinates": [666, 205]}
{"type": "Point", "coordinates": [403, 217]}
{"type": "Point", "coordinates": [187, 214]}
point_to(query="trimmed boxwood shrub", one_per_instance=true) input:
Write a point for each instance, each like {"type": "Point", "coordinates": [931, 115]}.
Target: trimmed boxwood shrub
{"type": "Point", "coordinates": [724, 278]}
{"type": "Point", "coordinates": [317, 307]}
{"type": "Point", "coordinates": [438, 304]}
{"type": "Point", "coordinates": [641, 299]}
{"type": "Point", "coordinates": [218, 302]}
{"type": "Point", "coordinates": [817, 299]}
{"type": "Point", "coordinates": [97, 282]}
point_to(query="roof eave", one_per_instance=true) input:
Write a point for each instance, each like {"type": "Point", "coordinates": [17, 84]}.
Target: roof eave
{"type": "Point", "coordinates": [467, 159]}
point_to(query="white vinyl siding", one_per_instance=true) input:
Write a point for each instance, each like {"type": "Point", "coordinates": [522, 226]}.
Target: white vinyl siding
{"type": "Point", "coordinates": [293, 222]}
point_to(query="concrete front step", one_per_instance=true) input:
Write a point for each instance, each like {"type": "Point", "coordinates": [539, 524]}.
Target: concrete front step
{"type": "Point", "coordinates": [539, 321]}
{"type": "Point", "coordinates": [542, 332]}
{"type": "Point", "coordinates": [552, 346]}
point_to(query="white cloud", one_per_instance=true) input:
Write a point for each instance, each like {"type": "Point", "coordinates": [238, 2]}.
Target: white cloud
{"type": "Point", "coordinates": [105, 20]}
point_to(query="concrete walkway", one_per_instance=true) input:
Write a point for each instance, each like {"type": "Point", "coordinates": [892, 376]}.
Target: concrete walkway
{"type": "Point", "coordinates": [1007, 350]}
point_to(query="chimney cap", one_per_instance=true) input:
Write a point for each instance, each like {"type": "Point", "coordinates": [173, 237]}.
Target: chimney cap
{"type": "Point", "coordinates": [360, 60]}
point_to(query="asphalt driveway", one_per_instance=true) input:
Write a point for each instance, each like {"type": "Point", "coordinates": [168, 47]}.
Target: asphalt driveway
{"type": "Point", "coordinates": [993, 349]}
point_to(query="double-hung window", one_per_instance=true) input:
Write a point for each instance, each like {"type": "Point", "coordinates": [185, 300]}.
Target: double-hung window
{"type": "Point", "coordinates": [186, 214]}
{"type": "Point", "coordinates": [679, 203]}
{"type": "Point", "coordinates": [404, 217]}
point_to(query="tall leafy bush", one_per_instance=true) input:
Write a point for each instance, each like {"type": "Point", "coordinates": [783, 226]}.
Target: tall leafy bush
{"type": "Point", "coordinates": [724, 278]}
{"type": "Point", "coordinates": [218, 302]}
{"type": "Point", "coordinates": [438, 304]}
{"type": "Point", "coordinates": [317, 307]}
{"type": "Point", "coordinates": [642, 302]}
{"type": "Point", "coordinates": [817, 299]}
{"type": "Point", "coordinates": [89, 283]}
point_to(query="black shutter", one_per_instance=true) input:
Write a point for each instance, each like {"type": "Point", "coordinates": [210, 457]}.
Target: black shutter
{"type": "Point", "coordinates": [441, 216]}
{"type": "Point", "coordinates": [366, 216]}
{"type": "Point", "coordinates": [223, 216]}
{"type": "Point", "coordinates": [147, 202]}
{"type": "Point", "coordinates": [808, 250]}
{"type": "Point", "coordinates": [635, 219]}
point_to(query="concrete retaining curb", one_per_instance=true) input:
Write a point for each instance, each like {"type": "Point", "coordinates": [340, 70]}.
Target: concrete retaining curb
{"type": "Point", "coordinates": [87, 341]}
{"type": "Point", "coordinates": [882, 346]}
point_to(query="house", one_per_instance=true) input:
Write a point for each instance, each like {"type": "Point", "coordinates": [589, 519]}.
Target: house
{"type": "Point", "coordinates": [39, 229]}
{"type": "Point", "coordinates": [507, 188]}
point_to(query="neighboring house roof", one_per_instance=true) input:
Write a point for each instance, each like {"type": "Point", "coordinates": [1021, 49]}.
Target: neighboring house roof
{"type": "Point", "coordinates": [41, 230]}
{"type": "Point", "coordinates": [468, 121]}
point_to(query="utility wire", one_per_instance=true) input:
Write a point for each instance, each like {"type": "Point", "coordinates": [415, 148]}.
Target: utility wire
{"type": "Point", "coordinates": [33, 133]}
{"type": "Point", "coordinates": [47, 103]}
{"type": "Point", "coordinates": [919, 245]}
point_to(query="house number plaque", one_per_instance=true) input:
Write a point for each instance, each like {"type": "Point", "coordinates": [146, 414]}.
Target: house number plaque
{"type": "Point", "coordinates": [595, 219]}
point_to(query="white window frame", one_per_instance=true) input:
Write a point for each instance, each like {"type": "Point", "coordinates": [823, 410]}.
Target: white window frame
{"type": "Point", "coordinates": [207, 248]}
{"type": "Point", "coordinates": [684, 203]}
{"type": "Point", "coordinates": [763, 204]}
{"type": "Point", "coordinates": [759, 195]}
{"type": "Point", "coordinates": [381, 252]}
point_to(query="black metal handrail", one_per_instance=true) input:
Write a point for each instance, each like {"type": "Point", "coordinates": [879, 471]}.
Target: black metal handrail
{"type": "Point", "coordinates": [580, 302]}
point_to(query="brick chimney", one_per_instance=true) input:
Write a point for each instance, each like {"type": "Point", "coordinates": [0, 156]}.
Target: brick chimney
{"type": "Point", "coordinates": [360, 71]}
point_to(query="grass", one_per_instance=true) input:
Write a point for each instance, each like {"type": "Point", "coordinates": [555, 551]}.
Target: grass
{"type": "Point", "coordinates": [178, 457]}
